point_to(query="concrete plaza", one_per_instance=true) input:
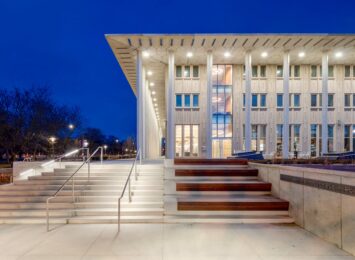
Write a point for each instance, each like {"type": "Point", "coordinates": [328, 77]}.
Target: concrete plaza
{"type": "Point", "coordinates": [165, 241]}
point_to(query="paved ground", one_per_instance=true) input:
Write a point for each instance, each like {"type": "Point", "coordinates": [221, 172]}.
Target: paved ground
{"type": "Point", "coordinates": [158, 241]}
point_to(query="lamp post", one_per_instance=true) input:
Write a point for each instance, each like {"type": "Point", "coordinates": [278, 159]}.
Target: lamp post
{"type": "Point", "coordinates": [52, 141]}
{"type": "Point", "coordinates": [105, 147]}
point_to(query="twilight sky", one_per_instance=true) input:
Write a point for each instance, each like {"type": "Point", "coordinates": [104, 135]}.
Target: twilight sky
{"type": "Point", "coordinates": [62, 43]}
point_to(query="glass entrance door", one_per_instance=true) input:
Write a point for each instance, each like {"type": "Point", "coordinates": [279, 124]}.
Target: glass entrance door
{"type": "Point", "coordinates": [221, 148]}
{"type": "Point", "coordinates": [186, 140]}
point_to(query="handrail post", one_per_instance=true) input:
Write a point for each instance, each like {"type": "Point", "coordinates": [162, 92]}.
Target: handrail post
{"type": "Point", "coordinates": [72, 182]}
{"type": "Point", "coordinates": [135, 170]}
{"type": "Point", "coordinates": [129, 190]}
{"type": "Point", "coordinates": [119, 215]}
{"type": "Point", "coordinates": [47, 214]}
{"type": "Point", "coordinates": [102, 154]}
{"type": "Point", "coordinates": [60, 163]}
{"type": "Point", "coordinates": [89, 169]}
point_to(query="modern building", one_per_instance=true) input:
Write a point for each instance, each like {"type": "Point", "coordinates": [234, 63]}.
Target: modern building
{"type": "Point", "coordinates": [210, 95]}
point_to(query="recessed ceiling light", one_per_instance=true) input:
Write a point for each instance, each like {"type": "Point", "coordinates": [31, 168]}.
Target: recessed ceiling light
{"type": "Point", "coordinates": [154, 99]}
{"type": "Point", "coordinates": [301, 54]}
{"type": "Point", "coordinates": [151, 84]}
{"type": "Point", "coordinates": [153, 92]}
{"type": "Point", "coordinates": [227, 54]}
{"type": "Point", "coordinates": [150, 73]}
{"type": "Point", "coordinates": [145, 54]}
{"type": "Point", "coordinates": [264, 54]}
{"type": "Point", "coordinates": [189, 54]}
{"type": "Point", "coordinates": [155, 104]}
{"type": "Point", "coordinates": [339, 54]}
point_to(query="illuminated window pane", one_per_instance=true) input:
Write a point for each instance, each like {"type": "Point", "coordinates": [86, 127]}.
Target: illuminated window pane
{"type": "Point", "coordinates": [178, 71]}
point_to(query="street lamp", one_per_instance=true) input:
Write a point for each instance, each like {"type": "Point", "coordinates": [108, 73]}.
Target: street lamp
{"type": "Point", "coordinates": [105, 147]}
{"type": "Point", "coordinates": [71, 126]}
{"type": "Point", "coordinates": [52, 140]}
{"type": "Point", "coordinates": [85, 143]}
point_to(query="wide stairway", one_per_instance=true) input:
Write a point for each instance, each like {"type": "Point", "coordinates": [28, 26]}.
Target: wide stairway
{"type": "Point", "coordinates": [220, 191]}
{"type": "Point", "coordinates": [96, 200]}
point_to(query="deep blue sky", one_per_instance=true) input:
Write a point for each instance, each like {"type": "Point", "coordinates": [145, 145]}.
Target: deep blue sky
{"type": "Point", "coordinates": [62, 43]}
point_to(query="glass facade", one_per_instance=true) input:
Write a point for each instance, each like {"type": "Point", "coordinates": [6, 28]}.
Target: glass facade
{"type": "Point", "coordinates": [222, 111]}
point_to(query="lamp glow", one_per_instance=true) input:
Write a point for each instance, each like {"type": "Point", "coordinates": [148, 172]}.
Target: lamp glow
{"type": "Point", "coordinates": [151, 84]}
{"type": "Point", "coordinates": [227, 54]}
{"type": "Point", "coordinates": [189, 54]}
{"type": "Point", "coordinates": [145, 54]}
{"type": "Point", "coordinates": [338, 54]}
{"type": "Point", "coordinates": [149, 73]}
{"type": "Point", "coordinates": [264, 54]}
{"type": "Point", "coordinates": [301, 54]}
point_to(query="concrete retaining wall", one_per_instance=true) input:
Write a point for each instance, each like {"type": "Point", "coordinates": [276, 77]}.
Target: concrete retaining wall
{"type": "Point", "coordinates": [321, 201]}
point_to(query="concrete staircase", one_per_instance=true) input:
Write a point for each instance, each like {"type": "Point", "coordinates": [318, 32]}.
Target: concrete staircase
{"type": "Point", "coordinates": [220, 191]}
{"type": "Point", "coordinates": [24, 201]}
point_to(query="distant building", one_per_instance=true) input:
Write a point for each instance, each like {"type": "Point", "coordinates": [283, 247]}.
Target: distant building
{"type": "Point", "coordinates": [210, 95]}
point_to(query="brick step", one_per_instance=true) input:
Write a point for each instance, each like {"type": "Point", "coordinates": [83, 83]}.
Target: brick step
{"type": "Point", "coordinates": [216, 172]}
{"type": "Point", "coordinates": [223, 186]}
{"type": "Point", "coordinates": [202, 161]}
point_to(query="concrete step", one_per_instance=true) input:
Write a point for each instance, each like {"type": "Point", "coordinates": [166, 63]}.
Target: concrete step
{"type": "Point", "coordinates": [78, 205]}
{"type": "Point", "coordinates": [155, 198]}
{"type": "Point", "coordinates": [94, 178]}
{"type": "Point", "coordinates": [82, 212]}
{"type": "Point", "coordinates": [77, 192]}
{"type": "Point", "coordinates": [83, 220]}
{"type": "Point", "coordinates": [213, 162]}
{"type": "Point", "coordinates": [212, 178]}
{"type": "Point", "coordinates": [102, 172]}
{"type": "Point", "coordinates": [134, 185]}
{"type": "Point", "coordinates": [83, 182]}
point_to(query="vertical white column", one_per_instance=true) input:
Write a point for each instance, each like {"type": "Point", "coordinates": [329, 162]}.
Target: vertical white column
{"type": "Point", "coordinates": [248, 101]}
{"type": "Point", "coordinates": [209, 65]}
{"type": "Point", "coordinates": [324, 103]}
{"type": "Point", "coordinates": [140, 96]}
{"type": "Point", "coordinates": [286, 105]}
{"type": "Point", "coordinates": [170, 106]}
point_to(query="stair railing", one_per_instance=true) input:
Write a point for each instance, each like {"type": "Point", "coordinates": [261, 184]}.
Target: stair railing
{"type": "Point", "coordinates": [128, 183]}
{"type": "Point", "coordinates": [71, 177]}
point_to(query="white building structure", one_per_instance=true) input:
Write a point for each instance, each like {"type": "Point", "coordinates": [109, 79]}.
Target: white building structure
{"type": "Point", "coordinates": [211, 95]}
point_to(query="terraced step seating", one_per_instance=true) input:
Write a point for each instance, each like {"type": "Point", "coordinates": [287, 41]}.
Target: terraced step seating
{"type": "Point", "coordinates": [220, 191]}
{"type": "Point", "coordinates": [24, 201]}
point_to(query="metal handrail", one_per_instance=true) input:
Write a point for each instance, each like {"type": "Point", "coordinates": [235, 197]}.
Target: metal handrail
{"type": "Point", "coordinates": [55, 160]}
{"type": "Point", "coordinates": [71, 177]}
{"type": "Point", "coordinates": [128, 182]}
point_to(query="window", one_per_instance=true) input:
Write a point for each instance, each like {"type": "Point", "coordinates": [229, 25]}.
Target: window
{"type": "Point", "coordinates": [195, 101]}
{"type": "Point", "coordinates": [178, 100]}
{"type": "Point", "coordinates": [330, 138]}
{"type": "Point", "coordinates": [187, 100]}
{"type": "Point", "coordinates": [279, 129]}
{"type": "Point", "coordinates": [353, 100]}
{"type": "Point", "coordinates": [195, 71]}
{"type": "Point", "coordinates": [353, 71]}
{"type": "Point", "coordinates": [254, 100]}
{"type": "Point", "coordinates": [263, 100]}
{"type": "Point", "coordinates": [296, 71]}
{"type": "Point", "coordinates": [186, 103]}
{"type": "Point", "coordinates": [258, 137]}
{"type": "Point", "coordinates": [347, 72]}
{"type": "Point", "coordinates": [347, 100]}
{"type": "Point", "coordinates": [294, 137]}
{"type": "Point", "coordinates": [279, 71]}
{"type": "Point", "coordinates": [347, 130]}
{"type": "Point", "coordinates": [186, 140]}
{"type": "Point", "coordinates": [222, 111]}
{"type": "Point", "coordinates": [243, 100]}
{"type": "Point", "coordinates": [279, 100]}
{"type": "Point", "coordinates": [263, 71]}
{"type": "Point", "coordinates": [330, 71]}
{"type": "Point", "coordinates": [314, 100]}
{"type": "Point", "coordinates": [178, 71]}
{"type": "Point", "coordinates": [254, 71]}
{"type": "Point", "coordinates": [313, 71]}
{"type": "Point", "coordinates": [296, 100]}
{"type": "Point", "coordinates": [186, 71]}
{"type": "Point", "coordinates": [330, 100]}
